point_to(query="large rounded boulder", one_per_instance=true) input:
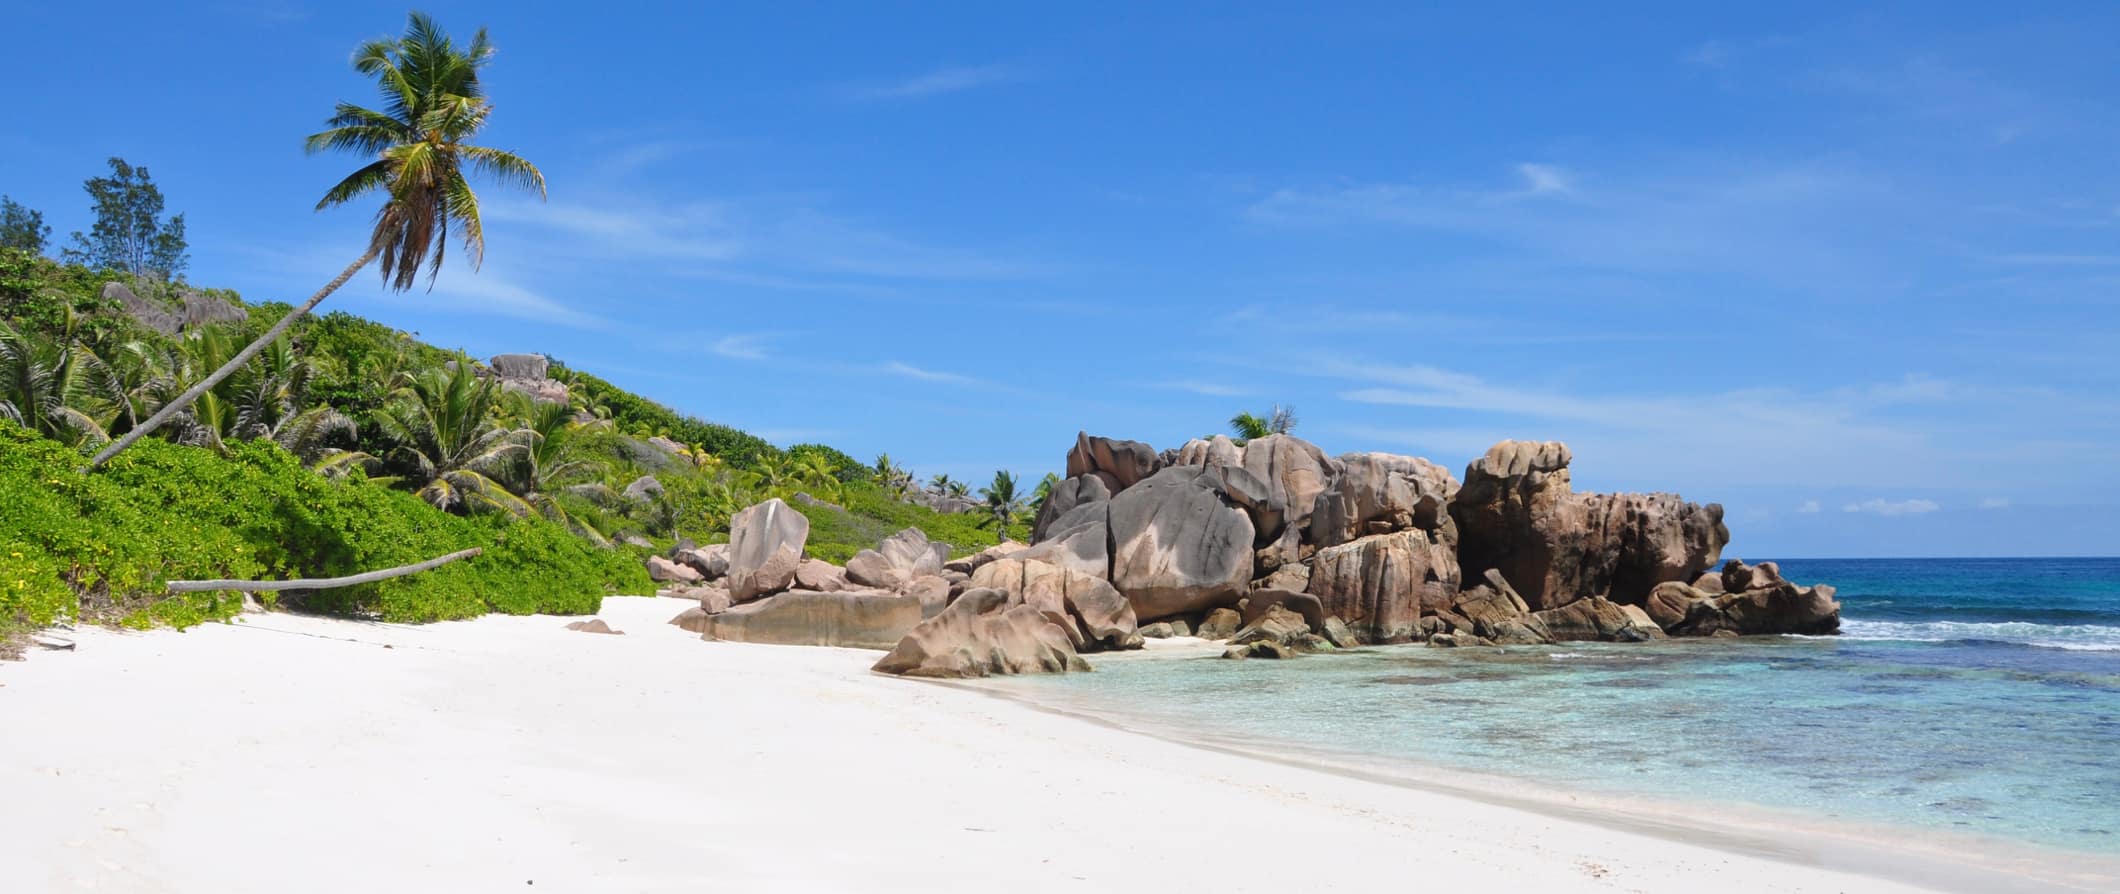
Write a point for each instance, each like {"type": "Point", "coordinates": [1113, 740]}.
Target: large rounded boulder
{"type": "Point", "coordinates": [1119, 464]}
{"type": "Point", "coordinates": [1179, 543]}
{"type": "Point", "coordinates": [981, 634]}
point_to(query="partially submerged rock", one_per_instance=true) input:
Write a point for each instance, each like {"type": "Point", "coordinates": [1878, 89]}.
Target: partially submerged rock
{"type": "Point", "coordinates": [982, 634]}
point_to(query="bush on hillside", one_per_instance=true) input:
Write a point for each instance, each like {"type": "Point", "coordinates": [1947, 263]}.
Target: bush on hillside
{"type": "Point", "coordinates": [100, 547]}
{"type": "Point", "coordinates": [871, 515]}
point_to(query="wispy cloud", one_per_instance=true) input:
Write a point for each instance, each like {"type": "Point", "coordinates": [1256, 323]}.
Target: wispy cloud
{"type": "Point", "coordinates": [1208, 389]}
{"type": "Point", "coordinates": [765, 240]}
{"type": "Point", "coordinates": [1881, 506]}
{"type": "Point", "coordinates": [907, 370]}
{"type": "Point", "coordinates": [1544, 180]}
{"type": "Point", "coordinates": [939, 81]}
{"type": "Point", "coordinates": [1810, 507]}
{"type": "Point", "coordinates": [751, 346]}
{"type": "Point", "coordinates": [1995, 503]}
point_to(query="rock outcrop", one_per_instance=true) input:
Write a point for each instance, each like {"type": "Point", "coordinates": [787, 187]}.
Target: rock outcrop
{"type": "Point", "coordinates": [982, 634]}
{"type": "Point", "coordinates": [1516, 512]}
{"type": "Point", "coordinates": [765, 547]}
{"type": "Point", "coordinates": [1745, 599]}
{"type": "Point", "coordinates": [190, 311]}
{"type": "Point", "coordinates": [1382, 585]}
{"type": "Point", "coordinates": [854, 619]}
{"type": "Point", "coordinates": [1382, 493]}
{"type": "Point", "coordinates": [663, 570]}
{"type": "Point", "coordinates": [1119, 464]}
{"type": "Point", "coordinates": [1179, 544]}
{"type": "Point", "coordinates": [711, 561]}
{"type": "Point", "coordinates": [527, 374]}
{"type": "Point", "coordinates": [898, 560]}
{"type": "Point", "coordinates": [1093, 614]}
{"type": "Point", "coordinates": [1067, 496]}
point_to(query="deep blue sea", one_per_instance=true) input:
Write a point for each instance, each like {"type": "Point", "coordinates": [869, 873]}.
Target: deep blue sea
{"type": "Point", "coordinates": [1972, 695]}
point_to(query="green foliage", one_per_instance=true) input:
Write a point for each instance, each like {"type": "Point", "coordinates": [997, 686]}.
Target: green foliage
{"type": "Point", "coordinates": [1249, 426]}
{"type": "Point", "coordinates": [871, 514]}
{"type": "Point", "coordinates": [21, 228]}
{"type": "Point", "coordinates": [844, 467]}
{"type": "Point", "coordinates": [634, 413]}
{"type": "Point", "coordinates": [130, 234]}
{"type": "Point", "coordinates": [100, 546]}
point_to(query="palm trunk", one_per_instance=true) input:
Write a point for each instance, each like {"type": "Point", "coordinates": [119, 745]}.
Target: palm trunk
{"type": "Point", "coordinates": [242, 357]}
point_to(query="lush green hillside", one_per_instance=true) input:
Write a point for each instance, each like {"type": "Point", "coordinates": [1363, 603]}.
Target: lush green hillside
{"type": "Point", "coordinates": [350, 446]}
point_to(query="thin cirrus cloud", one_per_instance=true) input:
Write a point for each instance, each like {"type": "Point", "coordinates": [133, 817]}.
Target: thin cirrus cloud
{"type": "Point", "coordinates": [1888, 508]}
{"type": "Point", "coordinates": [954, 79]}
{"type": "Point", "coordinates": [763, 240]}
{"type": "Point", "coordinates": [907, 370]}
{"type": "Point", "coordinates": [750, 346]}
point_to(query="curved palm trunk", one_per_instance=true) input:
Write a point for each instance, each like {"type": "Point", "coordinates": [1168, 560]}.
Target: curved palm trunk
{"type": "Point", "coordinates": [174, 407]}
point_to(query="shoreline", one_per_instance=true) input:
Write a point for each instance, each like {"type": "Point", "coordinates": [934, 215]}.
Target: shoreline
{"type": "Point", "coordinates": [1944, 860]}
{"type": "Point", "coordinates": [487, 754]}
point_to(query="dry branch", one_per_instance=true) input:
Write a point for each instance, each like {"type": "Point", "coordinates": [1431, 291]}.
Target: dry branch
{"type": "Point", "coordinates": [319, 583]}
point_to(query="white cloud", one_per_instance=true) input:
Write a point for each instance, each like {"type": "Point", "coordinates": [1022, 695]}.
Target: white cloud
{"type": "Point", "coordinates": [1809, 507]}
{"type": "Point", "coordinates": [910, 371]}
{"type": "Point", "coordinates": [758, 241]}
{"type": "Point", "coordinates": [1208, 389]}
{"type": "Point", "coordinates": [1881, 506]}
{"type": "Point", "coordinates": [1543, 180]}
{"type": "Point", "coordinates": [939, 81]}
{"type": "Point", "coordinates": [1995, 503]}
{"type": "Point", "coordinates": [751, 346]}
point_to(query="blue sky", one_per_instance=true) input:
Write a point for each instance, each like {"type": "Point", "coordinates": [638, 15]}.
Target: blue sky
{"type": "Point", "coordinates": [1850, 272]}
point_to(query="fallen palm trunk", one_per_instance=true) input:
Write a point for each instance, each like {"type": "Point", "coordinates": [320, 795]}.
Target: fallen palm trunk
{"type": "Point", "coordinates": [321, 583]}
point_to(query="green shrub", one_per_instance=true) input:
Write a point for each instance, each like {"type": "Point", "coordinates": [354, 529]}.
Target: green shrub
{"type": "Point", "coordinates": [872, 514]}
{"type": "Point", "coordinates": [101, 547]}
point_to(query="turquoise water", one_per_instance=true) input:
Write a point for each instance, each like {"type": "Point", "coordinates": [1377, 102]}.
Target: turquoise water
{"type": "Point", "coordinates": [1979, 696]}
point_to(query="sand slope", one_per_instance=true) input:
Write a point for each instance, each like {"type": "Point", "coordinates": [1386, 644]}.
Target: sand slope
{"type": "Point", "coordinates": [510, 754]}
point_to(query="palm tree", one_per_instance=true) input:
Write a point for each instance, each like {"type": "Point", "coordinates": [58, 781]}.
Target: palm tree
{"type": "Point", "coordinates": [52, 387]}
{"type": "Point", "coordinates": [1248, 426]}
{"type": "Point", "coordinates": [444, 434]}
{"type": "Point", "coordinates": [957, 489]}
{"type": "Point", "coordinates": [817, 473]}
{"type": "Point", "coordinates": [433, 105]}
{"type": "Point", "coordinates": [1002, 504]}
{"type": "Point", "coordinates": [1044, 491]}
{"type": "Point", "coordinates": [549, 459]}
{"type": "Point", "coordinates": [941, 483]}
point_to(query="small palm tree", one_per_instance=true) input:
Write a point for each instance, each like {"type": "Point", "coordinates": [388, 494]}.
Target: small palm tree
{"type": "Point", "coordinates": [1002, 504]}
{"type": "Point", "coordinates": [1249, 426]}
{"type": "Point", "coordinates": [445, 437]}
{"type": "Point", "coordinates": [1044, 491]}
{"type": "Point", "coordinates": [940, 483]}
{"type": "Point", "coordinates": [957, 489]}
{"type": "Point", "coordinates": [550, 459]}
{"type": "Point", "coordinates": [420, 146]}
{"type": "Point", "coordinates": [818, 474]}
{"type": "Point", "coordinates": [891, 476]}
{"type": "Point", "coordinates": [53, 387]}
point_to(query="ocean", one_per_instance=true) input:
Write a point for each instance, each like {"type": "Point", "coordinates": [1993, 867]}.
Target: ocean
{"type": "Point", "coordinates": [1974, 696]}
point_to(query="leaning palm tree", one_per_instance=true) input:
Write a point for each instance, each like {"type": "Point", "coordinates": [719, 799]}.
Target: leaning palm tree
{"type": "Point", "coordinates": [443, 433]}
{"type": "Point", "coordinates": [1002, 504]}
{"type": "Point", "coordinates": [433, 105]}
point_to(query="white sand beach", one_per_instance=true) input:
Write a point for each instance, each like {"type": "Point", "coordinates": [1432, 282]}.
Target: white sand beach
{"type": "Point", "coordinates": [286, 753]}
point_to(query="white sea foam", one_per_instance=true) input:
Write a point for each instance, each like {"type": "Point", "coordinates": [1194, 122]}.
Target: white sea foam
{"type": "Point", "coordinates": [2082, 637]}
